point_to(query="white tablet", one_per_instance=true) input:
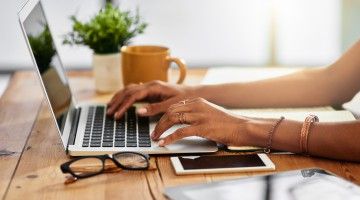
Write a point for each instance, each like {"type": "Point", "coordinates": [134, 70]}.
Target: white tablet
{"type": "Point", "coordinates": [221, 164]}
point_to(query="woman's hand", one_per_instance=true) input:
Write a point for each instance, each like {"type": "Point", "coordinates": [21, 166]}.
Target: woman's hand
{"type": "Point", "coordinates": [205, 119]}
{"type": "Point", "coordinates": [161, 94]}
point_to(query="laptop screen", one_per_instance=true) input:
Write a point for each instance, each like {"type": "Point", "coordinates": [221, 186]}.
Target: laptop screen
{"type": "Point", "coordinates": [48, 63]}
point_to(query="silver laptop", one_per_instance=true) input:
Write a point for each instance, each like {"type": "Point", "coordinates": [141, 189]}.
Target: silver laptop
{"type": "Point", "coordinates": [85, 129]}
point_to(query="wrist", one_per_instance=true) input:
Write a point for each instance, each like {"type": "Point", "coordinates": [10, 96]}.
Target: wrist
{"type": "Point", "coordinates": [257, 131]}
{"type": "Point", "coordinates": [202, 91]}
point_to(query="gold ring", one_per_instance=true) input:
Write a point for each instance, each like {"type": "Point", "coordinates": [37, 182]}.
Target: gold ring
{"type": "Point", "coordinates": [181, 117]}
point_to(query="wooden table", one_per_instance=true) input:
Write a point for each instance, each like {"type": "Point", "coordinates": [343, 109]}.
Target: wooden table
{"type": "Point", "coordinates": [31, 152]}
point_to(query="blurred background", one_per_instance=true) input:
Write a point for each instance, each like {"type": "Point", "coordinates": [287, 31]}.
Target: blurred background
{"type": "Point", "coordinates": [206, 33]}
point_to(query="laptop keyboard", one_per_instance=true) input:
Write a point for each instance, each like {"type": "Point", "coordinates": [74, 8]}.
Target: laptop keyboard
{"type": "Point", "coordinates": [130, 131]}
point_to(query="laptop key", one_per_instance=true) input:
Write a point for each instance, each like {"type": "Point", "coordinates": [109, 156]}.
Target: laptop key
{"type": "Point", "coordinates": [144, 144]}
{"type": "Point", "coordinates": [108, 136]}
{"type": "Point", "coordinates": [119, 144]}
{"type": "Point", "coordinates": [131, 145]}
{"type": "Point", "coordinates": [107, 144]}
{"type": "Point", "coordinates": [95, 144]}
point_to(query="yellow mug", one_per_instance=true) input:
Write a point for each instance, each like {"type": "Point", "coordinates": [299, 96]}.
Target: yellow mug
{"type": "Point", "coordinates": [142, 64]}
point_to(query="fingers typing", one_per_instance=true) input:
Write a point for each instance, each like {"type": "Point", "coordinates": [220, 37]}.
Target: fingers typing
{"type": "Point", "coordinates": [178, 134]}
{"type": "Point", "coordinates": [155, 108]}
{"type": "Point", "coordinates": [172, 118]}
{"type": "Point", "coordinates": [128, 101]}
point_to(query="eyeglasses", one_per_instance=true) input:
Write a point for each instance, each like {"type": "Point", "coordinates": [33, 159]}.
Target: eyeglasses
{"type": "Point", "coordinates": [89, 166]}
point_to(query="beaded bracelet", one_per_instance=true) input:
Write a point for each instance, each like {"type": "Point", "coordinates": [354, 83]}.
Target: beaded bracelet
{"type": "Point", "coordinates": [271, 133]}
{"type": "Point", "coordinates": [305, 130]}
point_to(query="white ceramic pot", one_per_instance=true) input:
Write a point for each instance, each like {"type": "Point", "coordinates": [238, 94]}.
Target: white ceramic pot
{"type": "Point", "coordinates": [107, 72]}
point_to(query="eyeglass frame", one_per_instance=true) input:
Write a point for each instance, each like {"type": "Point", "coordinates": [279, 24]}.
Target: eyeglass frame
{"type": "Point", "coordinates": [65, 167]}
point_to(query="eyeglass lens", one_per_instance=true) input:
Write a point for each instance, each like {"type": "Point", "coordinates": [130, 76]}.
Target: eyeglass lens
{"type": "Point", "coordinates": [86, 166]}
{"type": "Point", "coordinates": [131, 160]}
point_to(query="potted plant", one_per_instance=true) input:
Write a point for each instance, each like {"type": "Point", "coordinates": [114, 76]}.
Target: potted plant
{"type": "Point", "coordinates": [105, 34]}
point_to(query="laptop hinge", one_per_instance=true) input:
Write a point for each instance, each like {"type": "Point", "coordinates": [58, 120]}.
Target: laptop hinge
{"type": "Point", "coordinates": [74, 126]}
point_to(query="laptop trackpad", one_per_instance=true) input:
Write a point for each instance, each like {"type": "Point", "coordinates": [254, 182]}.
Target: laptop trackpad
{"type": "Point", "coordinates": [188, 144]}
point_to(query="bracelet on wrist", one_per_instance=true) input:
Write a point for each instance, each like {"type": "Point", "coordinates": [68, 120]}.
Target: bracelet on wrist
{"type": "Point", "coordinates": [271, 134]}
{"type": "Point", "coordinates": [305, 131]}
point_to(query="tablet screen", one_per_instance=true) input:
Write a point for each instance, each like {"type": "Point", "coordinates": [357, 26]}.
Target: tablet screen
{"type": "Point", "coordinates": [213, 162]}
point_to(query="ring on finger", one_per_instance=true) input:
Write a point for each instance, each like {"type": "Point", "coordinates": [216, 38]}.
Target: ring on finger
{"type": "Point", "coordinates": [181, 117]}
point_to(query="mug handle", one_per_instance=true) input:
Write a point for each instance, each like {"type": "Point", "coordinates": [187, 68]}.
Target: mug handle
{"type": "Point", "coordinates": [182, 67]}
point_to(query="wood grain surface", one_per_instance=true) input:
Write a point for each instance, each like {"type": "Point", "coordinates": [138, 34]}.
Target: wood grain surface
{"type": "Point", "coordinates": [19, 107]}
{"type": "Point", "coordinates": [33, 170]}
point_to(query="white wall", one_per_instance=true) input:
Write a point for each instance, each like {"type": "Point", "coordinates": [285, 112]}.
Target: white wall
{"type": "Point", "coordinates": [13, 50]}
{"type": "Point", "coordinates": [208, 32]}
{"type": "Point", "coordinates": [238, 32]}
{"type": "Point", "coordinates": [203, 32]}
{"type": "Point", "coordinates": [308, 31]}
{"type": "Point", "coordinates": [12, 47]}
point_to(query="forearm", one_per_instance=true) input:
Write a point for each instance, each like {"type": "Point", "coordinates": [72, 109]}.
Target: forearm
{"type": "Point", "coordinates": [331, 140]}
{"type": "Point", "coordinates": [305, 88]}
{"type": "Point", "coordinates": [333, 85]}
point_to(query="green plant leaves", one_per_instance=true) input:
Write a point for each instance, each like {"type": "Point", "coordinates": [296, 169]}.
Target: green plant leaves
{"type": "Point", "coordinates": [43, 49]}
{"type": "Point", "coordinates": [106, 32]}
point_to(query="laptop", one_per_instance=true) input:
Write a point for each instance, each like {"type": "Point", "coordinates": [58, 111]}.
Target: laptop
{"type": "Point", "coordinates": [85, 129]}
